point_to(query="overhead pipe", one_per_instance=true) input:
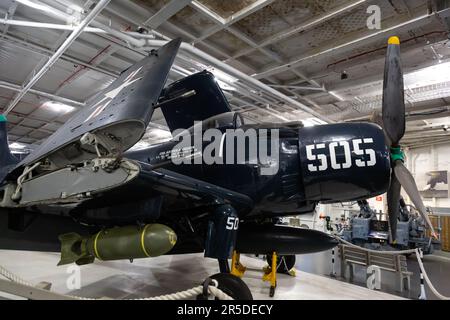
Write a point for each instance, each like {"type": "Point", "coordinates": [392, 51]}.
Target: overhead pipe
{"type": "Point", "coordinates": [296, 62]}
{"type": "Point", "coordinates": [434, 142]}
{"type": "Point", "coordinates": [142, 41]}
{"type": "Point", "coordinates": [239, 75]}
{"type": "Point", "coordinates": [78, 30]}
{"type": "Point", "coordinates": [307, 25]}
{"type": "Point", "coordinates": [383, 48]}
{"type": "Point", "coordinates": [39, 49]}
{"type": "Point", "coordinates": [18, 88]}
{"type": "Point", "coordinates": [44, 25]}
{"type": "Point", "coordinates": [283, 86]}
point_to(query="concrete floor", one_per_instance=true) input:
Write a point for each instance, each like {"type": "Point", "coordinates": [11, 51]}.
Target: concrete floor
{"type": "Point", "coordinates": [168, 274]}
{"type": "Point", "coordinates": [436, 265]}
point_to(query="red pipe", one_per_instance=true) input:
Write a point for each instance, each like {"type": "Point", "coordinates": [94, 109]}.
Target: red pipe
{"type": "Point", "coordinates": [80, 68]}
{"type": "Point", "coordinates": [382, 48]}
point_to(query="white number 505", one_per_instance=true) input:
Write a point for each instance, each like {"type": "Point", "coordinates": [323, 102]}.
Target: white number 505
{"type": "Point", "coordinates": [321, 155]}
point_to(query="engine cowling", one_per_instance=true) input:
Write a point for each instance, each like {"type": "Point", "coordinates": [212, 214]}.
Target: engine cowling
{"type": "Point", "coordinates": [343, 162]}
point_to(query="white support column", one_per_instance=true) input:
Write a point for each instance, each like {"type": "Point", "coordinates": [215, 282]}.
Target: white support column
{"type": "Point", "coordinates": [333, 263]}
{"type": "Point", "coordinates": [423, 295]}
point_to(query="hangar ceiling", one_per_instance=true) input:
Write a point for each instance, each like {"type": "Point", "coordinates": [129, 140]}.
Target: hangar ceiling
{"type": "Point", "coordinates": [278, 60]}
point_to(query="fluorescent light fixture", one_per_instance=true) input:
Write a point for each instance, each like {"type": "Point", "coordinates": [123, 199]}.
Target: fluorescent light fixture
{"type": "Point", "coordinates": [437, 73]}
{"type": "Point", "coordinates": [58, 107]}
{"type": "Point", "coordinates": [71, 5]}
{"type": "Point", "coordinates": [38, 6]}
{"type": "Point", "coordinates": [16, 145]}
{"type": "Point", "coordinates": [334, 94]}
{"type": "Point", "coordinates": [311, 122]}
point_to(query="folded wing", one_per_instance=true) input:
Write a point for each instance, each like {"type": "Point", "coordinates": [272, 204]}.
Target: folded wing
{"type": "Point", "coordinates": [118, 115]}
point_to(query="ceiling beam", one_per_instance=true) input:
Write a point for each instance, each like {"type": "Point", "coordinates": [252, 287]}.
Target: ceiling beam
{"type": "Point", "coordinates": [345, 45]}
{"type": "Point", "coordinates": [307, 25]}
{"type": "Point", "coordinates": [222, 23]}
{"type": "Point", "coordinates": [72, 37]}
{"type": "Point", "coordinates": [45, 25]}
{"type": "Point", "coordinates": [165, 13]}
{"type": "Point", "coordinates": [9, 14]}
{"type": "Point", "coordinates": [39, 49]}
{"type": "Point", "coordinates": [242, 36]}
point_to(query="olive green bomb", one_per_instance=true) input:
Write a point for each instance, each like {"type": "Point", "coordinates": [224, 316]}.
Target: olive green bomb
{"type": "Point", "coordinates": [130, 242]}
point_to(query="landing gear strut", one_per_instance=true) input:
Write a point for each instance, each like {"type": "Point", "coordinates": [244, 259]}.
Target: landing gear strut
{"type": "Point", "coordinates": [237, 268]}
{"type": "Point", "coordinates": [271, 274]}
{"type": "Point", "coordinates": [223, 266]}
{"type": "Point", "coordinates": [285, 264]}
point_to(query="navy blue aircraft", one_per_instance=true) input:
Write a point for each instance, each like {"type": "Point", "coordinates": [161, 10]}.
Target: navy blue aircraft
{"type": "Point", "coordinates": [83, 194]}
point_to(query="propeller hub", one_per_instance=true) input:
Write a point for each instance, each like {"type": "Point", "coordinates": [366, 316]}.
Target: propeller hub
{"type": "Point", "coordinates": [397, 154]}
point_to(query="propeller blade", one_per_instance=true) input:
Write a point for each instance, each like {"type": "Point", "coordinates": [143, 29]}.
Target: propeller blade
{"type": "Point", "coordinates": [393, 108]}
{"type": "Point", "coordinates": [377, 118]}
{"type": "Point", "coordinates": [407, 181]}
{"type": "Point", "coordinates": [393, 198]}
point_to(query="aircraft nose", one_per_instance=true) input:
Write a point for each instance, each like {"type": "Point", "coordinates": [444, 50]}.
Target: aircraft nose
{"type": "Point", "coordinates": [331, 241]}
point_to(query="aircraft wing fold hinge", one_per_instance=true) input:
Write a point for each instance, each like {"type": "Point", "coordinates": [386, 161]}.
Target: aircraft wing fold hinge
{"type": "Point", "coordinates": [105, 145]}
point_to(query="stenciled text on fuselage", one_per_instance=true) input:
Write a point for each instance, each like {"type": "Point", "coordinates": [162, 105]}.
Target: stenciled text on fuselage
{"type": "Point", "coordinates": [259, 147]}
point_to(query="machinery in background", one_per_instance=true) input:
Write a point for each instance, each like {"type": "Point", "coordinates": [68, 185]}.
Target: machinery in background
{"type": "Point", "coordinates": [371, 229]}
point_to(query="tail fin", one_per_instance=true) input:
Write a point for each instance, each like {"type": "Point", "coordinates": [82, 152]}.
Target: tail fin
{"type": "Point", "coordinates": [194, 98]}
{"type": "Point", "coordinates": [7, 160]}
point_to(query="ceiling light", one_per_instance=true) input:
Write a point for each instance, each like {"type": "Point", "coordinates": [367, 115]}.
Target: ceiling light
{"type": "Point", "coordinates": [16, 145]}
{"type": "Point", "coordinates": [311, 122]}
{"type": "Point", "coordinates": [334, 94]}
{"type": "Point", "coordinates": [72, 6]}
{"type": "Point", "coordinates": [38, 6]}
{"type": "Point", "coordinates": [58, 107]}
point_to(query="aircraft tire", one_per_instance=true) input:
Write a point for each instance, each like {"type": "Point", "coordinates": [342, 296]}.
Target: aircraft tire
{"type": "Point", "coordinates": [233, 286]}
